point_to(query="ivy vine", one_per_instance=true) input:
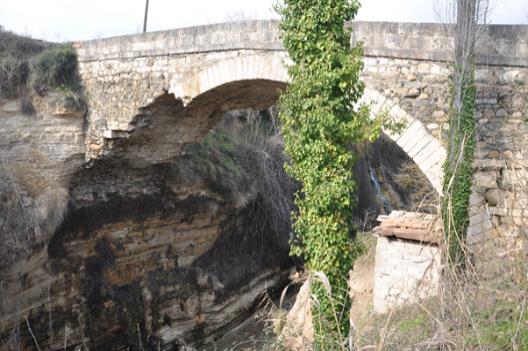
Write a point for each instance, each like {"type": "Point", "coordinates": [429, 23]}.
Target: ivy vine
{"type": "Point", "coordinates": [458, 169]}
{"type": "Point", "coordinates": [319, 123]}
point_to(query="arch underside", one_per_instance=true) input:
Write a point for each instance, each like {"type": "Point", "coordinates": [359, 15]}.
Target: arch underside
{"type": "Point", "coordinates": [425, 150]}
{"type": "Point", "coordinates": [255, 81]}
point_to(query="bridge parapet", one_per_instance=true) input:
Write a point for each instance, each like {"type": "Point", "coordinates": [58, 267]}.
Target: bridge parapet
{"type": "Point", "coordinates": [245, 35]}
{"type": "Point", "coordinates": [501, 45]}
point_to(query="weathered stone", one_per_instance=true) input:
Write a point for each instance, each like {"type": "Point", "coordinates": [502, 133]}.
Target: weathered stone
{"type": "Point", "coordinates": [95, 147]}
{"type": "Point", "coordinates": [489, 164]}
{"type": "Point", "coordinates": [149, 235]}
{"type": "Point", "coordinates": [171, 88]}
{"type": "Point", "coordinates": [486, 101]}
{"type": "Point", "coordinates": [507, 154]}
{"type": "Point", "coordinates": [432, 126]}
{"type": "Point", "coordinates": [412, 93]}
{"type": "Point", "coordinates": [398, 277]}
{"type": "Point", "coordinates": [495, 197]}
{"type": "Point", "coordinates": [298, 332]}
{"type": "Point", "coordinates": [501, 113]}
{"type": "Point", "coordinates": [65, 105]}
{"type": "Point", "coordinates": [401, 91]}
{"type": "Point", "coordinates": [500, 212]}
{"type": "Point", "coordinates": [485, 180]}
{"type": "Point", "coordinates": [512, 179]}
{"type": "Point", "coordinates": [114, 134]}
{"type": "Point", "coordinates": [438, 114]}
{"type": "Point", "coordinates": [493, 154]}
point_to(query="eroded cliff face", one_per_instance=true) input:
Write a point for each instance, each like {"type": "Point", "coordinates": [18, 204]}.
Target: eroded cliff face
{"type": "Point", "coordinates": [146, 252]}
{"type": "Point", "coordinates": [156, 243]}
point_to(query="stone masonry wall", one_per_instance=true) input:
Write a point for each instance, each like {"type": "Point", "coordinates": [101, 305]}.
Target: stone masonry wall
{"type": "Point", "coordinates": [500, 199]}
{"type": "Point", "coordinates": [404, 272]}
{"type": "Point", "coordinates": [406, 71]}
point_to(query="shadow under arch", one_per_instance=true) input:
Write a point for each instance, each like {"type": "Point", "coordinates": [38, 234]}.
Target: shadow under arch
{"type": "Point", "coordinates": [193, 106]}
{"type": "Point", "coordinates": [415, 140]}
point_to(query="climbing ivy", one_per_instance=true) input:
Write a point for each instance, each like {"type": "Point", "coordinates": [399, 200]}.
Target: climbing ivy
{"type": "Point", "coordinates": [319, 123]}
{"type": "Point", "coordinates": [458, 169]}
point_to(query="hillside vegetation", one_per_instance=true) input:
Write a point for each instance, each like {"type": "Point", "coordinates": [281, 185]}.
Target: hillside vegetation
{"type": "Point", "coordinates": [33, 67]}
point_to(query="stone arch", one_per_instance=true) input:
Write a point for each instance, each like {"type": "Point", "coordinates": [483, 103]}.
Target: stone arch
{"type": "Point", "coordinates": [261, 66]}
{"type": "Point", "coordinates": [253, 81]}
{"type": "Point", "coordinates": [424, 149]}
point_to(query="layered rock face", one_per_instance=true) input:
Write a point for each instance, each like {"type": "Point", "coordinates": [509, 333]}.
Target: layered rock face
{"type": "Point", "coordinates": [138, 251]}
{"type": "Point", "coordinates": [39, 152]}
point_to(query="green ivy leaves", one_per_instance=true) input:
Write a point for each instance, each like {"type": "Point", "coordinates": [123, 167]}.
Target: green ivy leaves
{"type": "Point", "coordinates": [319, 122]}
{"type": "Point", "coordinates": [458, 172]}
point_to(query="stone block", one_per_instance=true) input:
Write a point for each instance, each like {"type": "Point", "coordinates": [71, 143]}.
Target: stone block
{"type": "Point", "coordinates": [489, 164]}
{"type": "Point", "coordinates": [114, 134]}
{"type": "Point", "coordinates": [512, 178]}
{"type": "Point", "coordinates": [480, 228]}
{"type": "Point", "coordinates": [495, 197]}
{"type": "Point", "coordinates": [485, 180]}
{"type": "Point", "coordinates": [501, 113]}
{"type": "Point", "coordinates": [421, 142]}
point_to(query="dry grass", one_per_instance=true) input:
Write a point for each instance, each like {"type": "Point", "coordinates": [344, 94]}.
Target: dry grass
{"type": "Point", "coordinates": [26, 223]}
{"type": "Point", "coordinates": [483, 308]}
{"type": "Point", "coordinates": [29, 66]}
{"type": "Point", "coordinates": [410, 180]}
{"type": "Point", "coordinates": [15, 54]}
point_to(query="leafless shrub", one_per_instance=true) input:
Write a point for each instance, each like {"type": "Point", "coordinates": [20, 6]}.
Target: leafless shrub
{"type": "Point", "coordinates": [410, 179]}
{"type": "Point", "coordinates": [23, 222]}
{"type": "Point", "coordinates": [15, 52]}
{"type": "Point", "coordinates": [13, 74]}
{"type": "Point", "coordinates": [260, 150]}
{"type": "Point", "coordinates": [238, 16]}
{"type": "Point", "coordinates": [20, 46]}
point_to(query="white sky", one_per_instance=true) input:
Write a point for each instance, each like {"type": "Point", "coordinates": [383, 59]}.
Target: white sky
{"type": "Point", "coordinates": [61, 20]}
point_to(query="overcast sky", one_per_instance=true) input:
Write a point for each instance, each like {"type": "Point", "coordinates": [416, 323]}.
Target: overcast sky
{"type": "Point", "coordinates": [61, 20]}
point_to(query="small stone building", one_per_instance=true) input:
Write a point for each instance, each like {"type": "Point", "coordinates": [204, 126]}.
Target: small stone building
{"type": "Point", "coordinates": [408, 259]}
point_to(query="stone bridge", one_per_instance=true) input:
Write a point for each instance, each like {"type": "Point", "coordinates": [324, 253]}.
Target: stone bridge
{"type": "Point", "coordinates": [177, 84]}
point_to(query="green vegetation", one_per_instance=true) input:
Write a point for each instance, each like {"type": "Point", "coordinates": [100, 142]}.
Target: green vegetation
{"type": "Point", "coordinates": [55, 68]}
{"type": "Point", "coordinates": [411, 325]}
{"type": "Point", "coordinates": [458, 173]}
{"type": "Point", "coordinates": [31, 66]}
{"type": "Point", "coordinates": [319, 122]}
{"type": "Point", "coordinates": [485, 310]}
{"type": "Point", "coordinates": [501, 326]}
{"type": "Point", "coordinates": [15, 53]}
